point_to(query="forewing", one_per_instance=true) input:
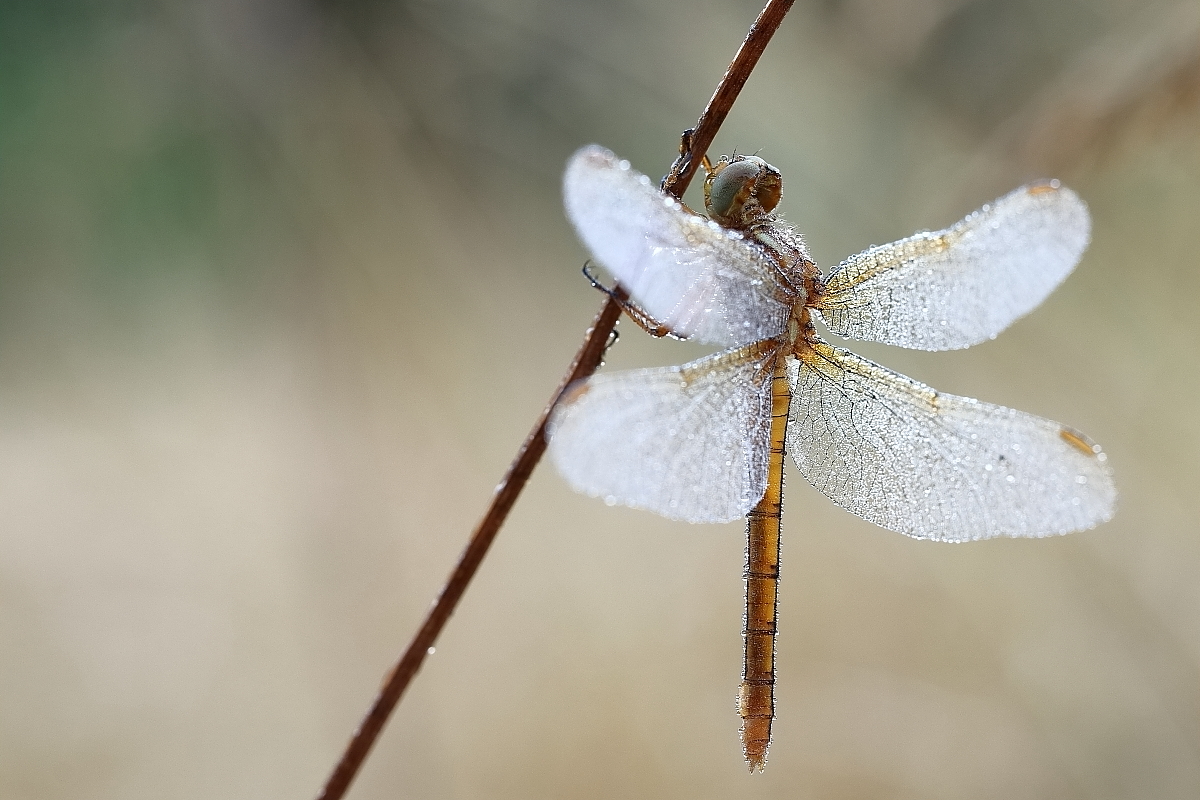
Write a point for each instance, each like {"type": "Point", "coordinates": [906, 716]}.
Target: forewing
{"type": "Point", "coordinates": [961, 286]}
{"type": "Point", "coordinates": [687, 442]}
{"type": "Point", "coordinates": [701, 280]}
{"type": "Point", "coordinates": [936, 466]}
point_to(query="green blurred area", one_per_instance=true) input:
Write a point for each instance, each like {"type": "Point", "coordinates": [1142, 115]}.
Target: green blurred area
{"type": "Point", "coordinates": [283, 285]}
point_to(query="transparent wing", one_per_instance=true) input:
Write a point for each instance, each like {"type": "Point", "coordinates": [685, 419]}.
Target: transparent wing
{"type": "Point", "coordinates": [687, 442]}
{"type": "Point", "coordinates": [703, 281]}
{"type": "Point", "coordinates": [961, 286]}
{"type": "Point", "coordinates": [935, 466]}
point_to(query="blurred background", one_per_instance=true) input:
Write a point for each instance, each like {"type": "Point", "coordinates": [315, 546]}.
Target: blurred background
{"type": "Point", "coordinates": [284, 284]}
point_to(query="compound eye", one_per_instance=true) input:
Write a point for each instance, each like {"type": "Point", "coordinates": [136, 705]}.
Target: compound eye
{"type": "Point", "coordinates": [729, 189]}
{"type": "Point", "coordinates": [768, 186]}
{"type": "Point", "coordinates": [769, 189]}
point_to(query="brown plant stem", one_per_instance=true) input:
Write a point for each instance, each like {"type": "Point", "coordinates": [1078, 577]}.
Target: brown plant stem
{"type": "Point", "coordinates": [695, 145]}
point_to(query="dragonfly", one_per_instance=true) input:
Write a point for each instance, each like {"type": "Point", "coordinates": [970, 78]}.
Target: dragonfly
{"type": "Point", "coordinates": [705, 442]}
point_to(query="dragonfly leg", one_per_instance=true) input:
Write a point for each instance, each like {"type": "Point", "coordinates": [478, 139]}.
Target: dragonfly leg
{"type": "Point", "coordinates": [636, 313]}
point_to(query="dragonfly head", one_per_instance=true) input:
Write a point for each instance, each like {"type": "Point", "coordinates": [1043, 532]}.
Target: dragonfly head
{"type": "Point", "coordinates": [740, 190]}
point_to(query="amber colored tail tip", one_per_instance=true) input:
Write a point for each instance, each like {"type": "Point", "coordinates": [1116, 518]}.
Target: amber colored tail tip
{"type": "Point", "coordinates": [756, 755]}
{"type": "Point", "coordinates": [756, 738]}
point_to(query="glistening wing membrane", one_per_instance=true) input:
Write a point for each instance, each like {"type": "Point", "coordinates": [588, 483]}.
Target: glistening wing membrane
{"type": "Point", "coordinates": [704, 282]}
{"type": "Point", "coordinates": [689, 443]}
{"type": "Point", "coordinates": [961, 286]}
{"type": "Point", "coordinates": [936, 466]}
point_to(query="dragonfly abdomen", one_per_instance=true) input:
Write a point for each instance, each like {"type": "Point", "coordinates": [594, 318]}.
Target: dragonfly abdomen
{"type": "Point", "coordinates": [756, 698]}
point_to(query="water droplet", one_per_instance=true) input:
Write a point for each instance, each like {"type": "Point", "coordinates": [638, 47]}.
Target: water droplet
{"type": "Point", "coordinates": [431, 651]}
{"type": "Point", "coordinates": [609, 500]}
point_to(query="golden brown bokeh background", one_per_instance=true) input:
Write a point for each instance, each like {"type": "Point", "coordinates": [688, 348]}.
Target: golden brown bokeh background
{"type": "Point", "coordinates": [283, 284]}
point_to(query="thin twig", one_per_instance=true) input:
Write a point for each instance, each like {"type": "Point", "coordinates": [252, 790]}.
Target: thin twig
{"type": "Point", "coordinates": [695, 145]}
{"type": "Point", "coordinates": [697, 140]}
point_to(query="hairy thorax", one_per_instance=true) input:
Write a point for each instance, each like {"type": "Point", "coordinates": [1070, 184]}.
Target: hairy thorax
{"type": "Point", "coordinates": [799, 276]}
